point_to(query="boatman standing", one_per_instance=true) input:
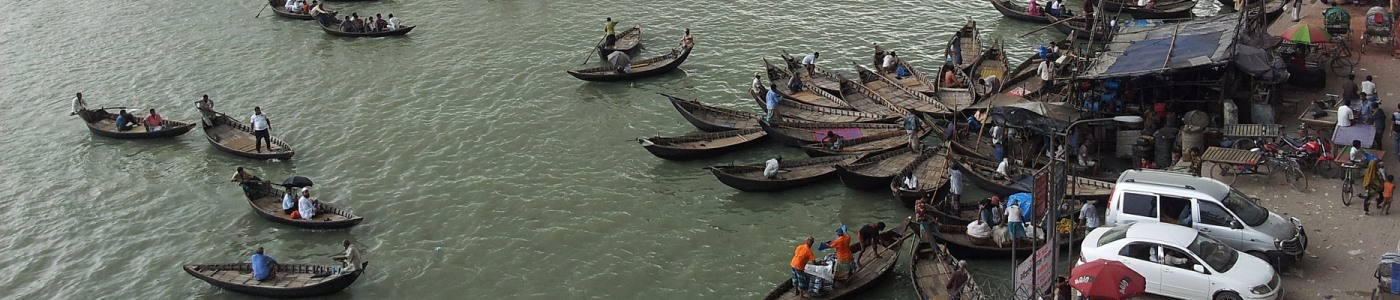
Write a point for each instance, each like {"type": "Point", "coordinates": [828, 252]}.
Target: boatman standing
{"type": "Point", "coordinates": [801, 256]}
{"type": "Point", "coordinates": [611, 35]}
{"type": "Point", "coordinates": [260, 128]}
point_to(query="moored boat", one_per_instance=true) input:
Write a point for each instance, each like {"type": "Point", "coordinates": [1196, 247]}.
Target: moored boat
{"type": "Point", "coordinates": [871, 270]}
{"type": "Point", "coordinates": [807, 112]}
{"type": "Point", "coordinates": [819, 77]}
{"type": "Point", "coordinates": [959, 95]}
{"type": "Point", "coordinates": [898, 95]}
{"type": "Point", "coordinates": [711, 118]}
{"type": "Point", "coordinates": [868, 144]}
{"type": "Point", "coordinates": [796, 134]}
{"type": "Point", "coordinates": [1080, 28]}
{"type": "Point", "coordinates": [702, 145]}
{"type": "Point", "coordinates": [103, 122]}
{"type": "Point", "coordinates": [639, 69]}
{"type": "Point", "coordinates": [931, 267]}
{"type": "Point", "coordinates": [929, 170]}
{"type": "Point", "coordinates": [809, 94]}
{"type": "Point", "coordinates": [791, 173]}
{"type": "Point", "coordinates": [983, 174]}
{"type": "Point", "coordinates": [992, 63]}
{"type": "Point", "coordinates": [1164, 9]}
{"type": "Point", "coordinates": [875, 170]}
{"type": "Point", "coordinates": [292, 280]}
{"type": "Point", "coordinates": [230, 135]}
{"type": "Point", "coordinates": [963, 246]}
{"type": "Point", "coordinates": [866, 100]}
{"type": "Point", "coordinates": [266, 201]}
{"type": "Point", "coordinates": [965, 46]}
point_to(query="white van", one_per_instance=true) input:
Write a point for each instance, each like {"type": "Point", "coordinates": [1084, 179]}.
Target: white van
{"type": "Point", "coordinates": [1208, 206]}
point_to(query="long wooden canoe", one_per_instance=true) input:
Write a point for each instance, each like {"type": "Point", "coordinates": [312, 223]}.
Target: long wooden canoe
{"type": "Point", "coordinates": [899, 95]}
{"type": "Point", "coordinates": [956, 97]}
{"type": "Point", "coordinates": [279, 8]}
{"type": "Point", "coordinates": [992, 63]}
{"type": "Point", "coordinates": [983, 174]}
{"type": "Point", "coordinates": [791, 174]}
{"type": "Point", "coordinates": [711, 118]}
{"type": "Point", "coordinates": [968, 43]}
{"type": "Point", "coordinates": [702, 145]}
{"type": "Point", "coordinates": [867, 100]}
{"type": "Point", "coordinates": [873, 268]}
{"type": "Point", "coordinates": [875, 170]}
{"type": "Point", "coordinates": [640, 69]}
{"type": "Point", "coordinates": [266, 201]}
{"type": "Point", "coordinates": [820, 77]}
{"type": "Point", "coordinates": [931, 267]}
{"type": "Point", "coordinates": [796, 134]}
{"type": "Point", "coordinates": [1014, 11]}
{"type": "Point", "coordinates": [812, 113]}
{"type": "Point", "coordinates": [291, 280]}
{"type": "Point", "coordinates": [868, 144]}
{"type": "Point", "coordinates": [628, 41]}
{"type": "Point", "coordinates": [1167, 9]}
{"type": "Point", "coordinates": [103, 122]}
{"type": "Point", "coordinates": [334, 29]}
{"type": "Point", "coordinates": [961, 245]}
{"type": "Point", "coordinates": [930, 171]}
{"type": "Point", "coordinates": [1080, 28]}
{"type": "Point", "coordinates": [810, 94]}
{"type": "Point", "coordinates": [232, 136]}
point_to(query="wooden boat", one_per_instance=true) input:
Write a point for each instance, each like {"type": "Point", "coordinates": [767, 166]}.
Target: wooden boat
{"type": "Point", "coordinates": [897, 95]}
{"type": "Point", "coordinates": [970, 145]}
{"type": "Point", "coordinates": [963, 246]}
{"type": "Point", "coordinates": [917, 82]}
{"type": "Point", "coordinates": [292, 280]}
{"type": "Point", "coordinates": [967, 210]}
{"type": "Point", "coordinates": [230, 135]}
{"type": "Point", "coordinates": [810, 94]}
{"type": "Point", "coordinates": [1163, 9]}
{"type": "Point", "coordinates": [334, 29]}
{"type": "Point", "coordinates": [711, 118]}
{"type": "Point", "coordinates": [969, 45]}
{"type": "Point", "coordinates": [640, 69]}
{"type": "Point", "coordinates": [931, 267]}
{"type": "Point", "coordinates": [875, 170]}
{"type": "Point", "coordinates": [702, 145]}
{"type": "Point", "coordinates": [267, 202]}
{"type": "Point", "coordinates": [983, 174]}
{"type": "Point", "coordinates": [873, 268]}
{"type": "Point", "coordinates": [1016, 11]}
{"type": "Point", "coordinates": [103, 122]}
{"type": "Point", "coordinates": [796, 134]}
{"type": "Point", "coordinates": [867, 100]}
{"type": "Point", "coordinates": [628, 41]}
{"type": "Point", "coordinates": [1080, 28]}
{"type": "Point", "coordinates": [991, 63]}
{"type": "Point", "coordinates": [279, 9]}
{"type": "Point", "coordinates": [867, 144]}
{"type": "Point", "coordinates": [1025, 76]}
{"type": "Point", "coordinates": [791, 174]}
{"type": "Point", "coordinates": [930, 170]}
{"type": "Point", "coordinates": [820, 77]}
{"type": "Point", "coordinates": [807, 112]}
{"type": "Point", "coordinates": [955, 97]}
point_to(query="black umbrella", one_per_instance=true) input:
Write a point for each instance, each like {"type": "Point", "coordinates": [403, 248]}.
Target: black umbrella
{"type": "Point", "coordinates": [297, 181]}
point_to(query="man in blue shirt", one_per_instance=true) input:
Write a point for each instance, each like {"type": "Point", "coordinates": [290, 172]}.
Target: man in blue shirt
{"type": "Point", "coordinates": [911, 126]}
{"type": "Point", "coordinates": [262, 265]}
{"type": "Point", "coordinates": [771, 101]}
{"type": "Point", "coordinates": [289, 203]}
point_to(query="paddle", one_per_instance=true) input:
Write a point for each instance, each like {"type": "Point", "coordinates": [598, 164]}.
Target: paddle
{"type": "Point", "coordinates": [589, 55]}
{"type": "Point", "coordinates": [264, 7]}
{"type": "Point", "coordinates": [887, 247]}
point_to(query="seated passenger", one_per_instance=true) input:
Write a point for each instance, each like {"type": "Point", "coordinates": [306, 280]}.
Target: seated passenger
{"type": "Point", "coordinates": [833, 140]}
{"type": "Point", "coordinates": [153, 121]}
{"type": "Point", "coordinates": [289, 201]}
{"type": "Point", "coordinates": [346, 25]}
{"type": "Point", "coordinates": [125, 121]}
{"type": "Point", "coordinates": [393, 22]}
{"type": "Point", "coordinates": [306, 207]}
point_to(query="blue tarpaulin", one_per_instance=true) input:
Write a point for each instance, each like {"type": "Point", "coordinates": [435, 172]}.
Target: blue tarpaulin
{"type": "Point", "coordinates": [1023, 200]}
{"type": "Point", "coordinates": [1160, 48]}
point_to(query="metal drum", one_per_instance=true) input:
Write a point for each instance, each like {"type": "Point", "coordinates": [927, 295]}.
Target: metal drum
{"type": "Point", "coordinates": [1165, 141]}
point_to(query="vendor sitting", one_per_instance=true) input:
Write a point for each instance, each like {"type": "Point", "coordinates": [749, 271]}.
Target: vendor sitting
{"type": "Point", "coordinates": [833, 140]}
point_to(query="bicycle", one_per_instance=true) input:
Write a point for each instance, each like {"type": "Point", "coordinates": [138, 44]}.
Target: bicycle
{"type": "Point", "coordinates": [1292, 172]}
{"type": "Point", "coordinates": [1230, 172]}
{"type": "Point", "coordinates": [1347, 185]}
{"type": "Point", "coordinates": [1337, 54]}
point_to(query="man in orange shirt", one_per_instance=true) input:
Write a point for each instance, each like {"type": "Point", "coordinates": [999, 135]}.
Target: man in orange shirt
{"type": "Point", "coordinates": [844, 259]}
{"type": "Point", "coordinates": [800, 258]}
{"type": "Point", "coordinates": [1387, 191]}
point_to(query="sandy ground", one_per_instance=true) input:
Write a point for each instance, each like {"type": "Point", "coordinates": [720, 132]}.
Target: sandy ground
{"type": "Point", "coordinates": [1345, 244]}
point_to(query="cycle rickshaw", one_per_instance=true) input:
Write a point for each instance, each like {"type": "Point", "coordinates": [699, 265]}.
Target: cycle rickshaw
{"type": "Point", "coordinates": [1380, 28]}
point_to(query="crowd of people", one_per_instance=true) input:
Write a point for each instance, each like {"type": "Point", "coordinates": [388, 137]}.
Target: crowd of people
{"type": "Point", "coordinates": [377, 23]}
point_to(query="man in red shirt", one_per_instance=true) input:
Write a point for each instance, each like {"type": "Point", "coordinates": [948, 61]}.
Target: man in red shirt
{"type": "Point", "coordinates": [153, 121]}
{"type": "Point", "coordinates": [800, 258]}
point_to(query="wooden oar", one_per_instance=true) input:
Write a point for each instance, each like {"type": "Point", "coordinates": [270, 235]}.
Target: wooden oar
{"type": "Point", "coordinates": [887, 247]}
{"type": "Point", "coordinates": [264, 7]}
{"type": "Point", "coordinates": [597, 46]}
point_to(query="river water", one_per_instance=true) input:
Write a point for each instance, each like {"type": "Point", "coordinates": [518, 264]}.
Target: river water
{"type": "Point", "coordinates": [482, 169]}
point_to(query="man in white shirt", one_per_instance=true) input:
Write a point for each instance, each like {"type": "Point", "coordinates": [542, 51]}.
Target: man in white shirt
{"type": "Point", "coordinates": [350, 261]}
{"type": "Point", "coordinates": [1344, 115]}
{"type": "Point", "coordinates": [890, 61]}
{"type": "Point", "coordinates": [290, 6]}
{"type": "Point", "coordinates": [1002, 168]}
{"type": "Point", "coordinates": [757, 84]}
{"type": "Point", "coordinates": [810, 62]}
{"type": "Point", "coordinates": [260, 128]}
{"type": "Point", "coordinates": [1047, 74]}
{"type": "Point", "coordinates": [1089, 215]}
{"type": "Point", "coordinates": [306, 207]}
{"type": "Point", "coordinates": [1368, 87]}
{"type": "Point", "coordinates": [393, 22]}
{"type": "Point", "coordinates": [911, 182]}
{"type": "Point", "coordinates": [770, 169]}
{"type": "Point", "coordinates": [955, 189]}
{"type": "Point", "coordinates": [1013, 221]}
